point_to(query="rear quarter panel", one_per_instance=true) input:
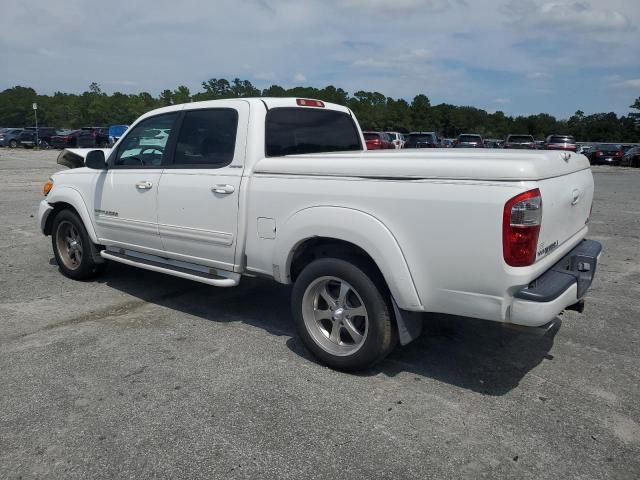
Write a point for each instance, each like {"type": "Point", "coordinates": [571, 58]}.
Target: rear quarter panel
{"type": "Point", "coordinates": [449, 233]}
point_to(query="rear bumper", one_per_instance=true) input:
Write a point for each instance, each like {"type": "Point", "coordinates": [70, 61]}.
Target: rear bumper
{"type": "Point", "coordinates": [563, 285]}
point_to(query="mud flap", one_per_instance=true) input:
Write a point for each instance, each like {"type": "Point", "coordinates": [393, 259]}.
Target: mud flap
{"type": "Point", "coordinates": [409, 324]}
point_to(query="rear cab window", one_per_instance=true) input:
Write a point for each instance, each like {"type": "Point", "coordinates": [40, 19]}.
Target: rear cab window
{"type": "Point", "coordinates": [296, 131]}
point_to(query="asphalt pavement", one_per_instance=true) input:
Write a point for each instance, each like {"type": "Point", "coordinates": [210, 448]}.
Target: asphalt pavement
{"type": "Point", "coordinates": [140, 375]}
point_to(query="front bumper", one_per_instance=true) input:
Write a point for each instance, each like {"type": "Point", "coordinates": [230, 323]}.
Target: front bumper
{"type": "Point", "coordinates": [562, 286]}
{"type": "Point", "coordinates": [43, 214]}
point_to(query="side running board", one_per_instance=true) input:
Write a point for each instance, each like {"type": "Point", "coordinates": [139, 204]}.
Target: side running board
{"type": "Point", "coordinates": [176, 271]}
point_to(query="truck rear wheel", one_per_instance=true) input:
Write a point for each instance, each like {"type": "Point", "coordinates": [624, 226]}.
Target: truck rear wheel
{"type": "Point", "coordinates": [341, 315]}
{"type": "Point", "coordinates": [73, 249]}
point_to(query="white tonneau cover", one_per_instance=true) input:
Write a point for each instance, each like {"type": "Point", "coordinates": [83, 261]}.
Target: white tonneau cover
{"type": "Point", "coordinates": [459, 164]}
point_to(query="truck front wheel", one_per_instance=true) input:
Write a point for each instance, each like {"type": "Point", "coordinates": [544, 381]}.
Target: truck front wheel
{"type": "Point", "coordinates": [341, 314]}
{"type": "Point", "coordinates": [72, 247]}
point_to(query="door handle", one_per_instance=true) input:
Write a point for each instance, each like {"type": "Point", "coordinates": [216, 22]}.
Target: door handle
{"type": "Point", "coordinates": [144, 185]}
{"type": "Point", "coordinates": [576, 195]}
{"type": "Point", "coordinates": [223, 189]}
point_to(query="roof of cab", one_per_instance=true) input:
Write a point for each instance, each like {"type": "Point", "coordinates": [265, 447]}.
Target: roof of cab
{"type": "Point", "coordinates": [269, 102]}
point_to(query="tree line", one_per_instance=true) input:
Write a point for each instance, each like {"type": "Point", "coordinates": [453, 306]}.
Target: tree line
{"type": "Point", "coordinates": [374, 110]}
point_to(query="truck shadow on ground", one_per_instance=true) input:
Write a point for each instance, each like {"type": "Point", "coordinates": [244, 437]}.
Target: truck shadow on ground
{"type": "Point", "coordinates": [481, 356]}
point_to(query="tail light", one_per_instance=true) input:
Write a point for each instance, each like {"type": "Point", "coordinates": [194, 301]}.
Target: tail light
{"type": "Point", "coordinates": [599, 153]}
{"type": "Point", "coordinates": [521, 221]}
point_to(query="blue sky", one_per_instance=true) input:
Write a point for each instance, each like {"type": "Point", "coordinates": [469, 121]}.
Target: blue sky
{"type": "Point", "coordinates": [521, 57]}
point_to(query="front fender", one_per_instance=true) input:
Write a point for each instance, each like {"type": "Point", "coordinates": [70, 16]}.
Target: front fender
{"type": "Point", "coordinates": [69, 195]}
{"type": "Point", "coordinates": [354, 226]}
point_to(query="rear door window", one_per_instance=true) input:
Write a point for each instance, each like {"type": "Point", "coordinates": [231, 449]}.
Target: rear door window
{"type": "Point", "coordinates": [207, 138]}
{"type": "Point", "coordinates": [291, 131]}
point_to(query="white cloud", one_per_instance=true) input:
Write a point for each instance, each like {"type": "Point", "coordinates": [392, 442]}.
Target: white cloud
{"type": "Point", "coordinates": [428, 5]}
{"type": "Point", "coordinates": [265, 75]}
{"type": "Point", "coordinates": [299, 77]}
{"type": "Point", "coordinates": [501, 100]}
{"type": "Point", "coordinates": [573, 15]}
{"type": "Point", "coordinates": [581, 14]}
{"type": "Point", "coordinates": [537, 75]}
{"type": "Point", "coordinates": [633, 83]}
{"type": "Point", "coordinates": [389, 59]}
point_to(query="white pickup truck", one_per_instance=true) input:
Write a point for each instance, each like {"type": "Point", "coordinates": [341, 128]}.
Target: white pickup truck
{"type": "Point", "coordinates": [284, 188]}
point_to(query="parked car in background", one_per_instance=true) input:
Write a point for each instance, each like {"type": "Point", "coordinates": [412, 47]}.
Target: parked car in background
{"type": "Point", "coordinates": [539, 144]}
{"type": "Point", "coordinates": [446, 143]}
{"type": "Point", "coordinates": [28, 136]}
{"type": "Point", "coordinates": [469, 140]}
{"type": "Point", "coordinates": [584, 149]}
{"type": "Point", "coordinates": [491, 143]}
{"type": "Point", "coordinates": [65, 139]}
{"type": "Point", "coordinates": [115, 132]}
{"type": "Point", "coordinates": [520, 141]}
{"type": "Point", "coordinates": [422, 140]}
{"type": "Point", "coordinates": [631, 158]}
{"type": "Point", "coordinates": [378, 141]}
{"type": "Point", "coordinates": [560, 142]}
{"type": "Point", "coordinates": [90, 137]}
{"type": "Point", "coordinates": [397, 139]}
{"type": "Point", "coordinates": [9, 137]}
{"type": "Point", "coordinates": [606, 154]}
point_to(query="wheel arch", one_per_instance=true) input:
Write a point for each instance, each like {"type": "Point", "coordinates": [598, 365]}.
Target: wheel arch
{"type": "Point", "coordinates": [66, 198]}
{"type": "Point", "coordinates": [337, 228]}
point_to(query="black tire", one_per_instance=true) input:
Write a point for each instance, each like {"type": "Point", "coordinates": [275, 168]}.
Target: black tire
{"type": "Point", "coordinates": [13, 144]}
{"type": "Point", "coordinates": [380, 336]}
{"type": "Point", "coordinates": [78, 266]}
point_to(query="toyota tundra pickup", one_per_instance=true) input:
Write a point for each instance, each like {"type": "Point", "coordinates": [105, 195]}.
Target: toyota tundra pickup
{"type": "Point", "coordinates": [284, 188]}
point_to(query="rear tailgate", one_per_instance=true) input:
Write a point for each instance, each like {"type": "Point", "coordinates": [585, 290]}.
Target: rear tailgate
{"type": "Point", "coordinates": [566, 205]}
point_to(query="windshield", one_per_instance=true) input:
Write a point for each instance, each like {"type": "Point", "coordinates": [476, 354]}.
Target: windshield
{"type": "Point", "coordinates": [292, 131]}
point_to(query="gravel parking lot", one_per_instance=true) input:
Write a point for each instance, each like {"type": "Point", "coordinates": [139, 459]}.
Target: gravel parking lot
{"type": "Point", "coordinates": [140, 375]}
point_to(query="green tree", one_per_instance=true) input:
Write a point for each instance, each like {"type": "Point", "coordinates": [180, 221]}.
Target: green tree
{"type": "Point", "coordinates": [636, 115]}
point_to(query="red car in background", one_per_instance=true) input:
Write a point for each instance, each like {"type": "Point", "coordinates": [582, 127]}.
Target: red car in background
{"type": "Point", "coordinates": [560, 142]}
{"type": "Point", "coordinates": [606, 154]}
{"type": "Point", "coordinates": [378, 141]}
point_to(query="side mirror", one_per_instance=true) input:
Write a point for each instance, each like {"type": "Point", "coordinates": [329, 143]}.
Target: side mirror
{"type": "Point", "coordinates": [95, 159]}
